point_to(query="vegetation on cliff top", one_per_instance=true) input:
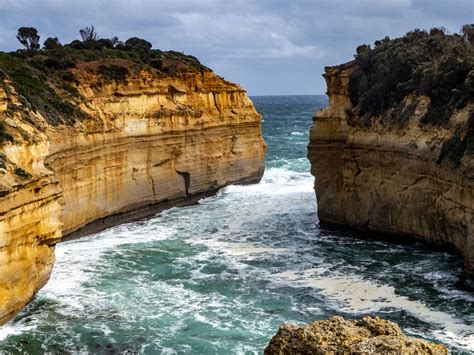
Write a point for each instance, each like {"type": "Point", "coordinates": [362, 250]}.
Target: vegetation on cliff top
{"type": "Point", "coordinates": [44, 79]}
{"type": "Point", "coordinates": [435, 64]}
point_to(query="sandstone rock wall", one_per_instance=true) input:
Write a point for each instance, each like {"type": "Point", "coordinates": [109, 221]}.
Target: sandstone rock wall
{"type": "Point", "coordinates": [147, 139]}
{"type": "Point", "coordinates": [29, 227]}
{"type": "Point", "coordinates": [339, 336]}
{"type": "Point", "coordinates": [386, 178]}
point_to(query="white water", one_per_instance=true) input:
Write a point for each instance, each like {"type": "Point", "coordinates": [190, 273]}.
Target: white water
{"type": "Point", "coordinates": [220, 276]}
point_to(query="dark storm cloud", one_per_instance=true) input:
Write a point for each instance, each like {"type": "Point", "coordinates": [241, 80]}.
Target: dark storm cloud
{"type": "Point", "coordinates": [269, 46]}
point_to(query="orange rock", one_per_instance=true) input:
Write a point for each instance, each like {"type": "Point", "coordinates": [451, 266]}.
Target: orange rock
{"type": "Point", "coordinates": [339, 336]}
{"type": "Point", "coordinates": [386, 178]}
{"type": "Point", "coordinates": [150, 138]}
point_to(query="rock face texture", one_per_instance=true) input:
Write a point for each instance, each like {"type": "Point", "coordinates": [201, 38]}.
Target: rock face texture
{"type": "Point", "coordinates": [387, 177]}
{"type": "Point", "coordinates": [146, 138]}
{"type": "Point", "coordinates": [339, 336]}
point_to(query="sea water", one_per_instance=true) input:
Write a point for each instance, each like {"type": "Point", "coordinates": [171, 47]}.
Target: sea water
{"type": "Point", "coordinates": [222, 275]}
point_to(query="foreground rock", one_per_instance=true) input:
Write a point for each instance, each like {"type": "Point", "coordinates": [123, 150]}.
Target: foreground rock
{"type": "Point", "coordinates": [394, 152]}
{"type": "Point", "coordinates": [106, 137]}
{"type": "Point", "coordinates": [339, 336]}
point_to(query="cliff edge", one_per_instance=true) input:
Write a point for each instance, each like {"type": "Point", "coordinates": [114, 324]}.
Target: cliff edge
{"type": "Point", "coordinates": [394, 150]}
{"type": "Point", "coordinates": [87, 133]}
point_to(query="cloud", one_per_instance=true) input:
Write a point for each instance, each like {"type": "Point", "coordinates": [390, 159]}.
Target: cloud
{"type": "Point", "coordinates": [284, 48]}
{"type": "Point", "coordinates": [269, 46]}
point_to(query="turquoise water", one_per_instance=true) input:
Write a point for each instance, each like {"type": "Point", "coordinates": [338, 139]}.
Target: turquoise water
{"type": "Point", "coordinates": [220, 276]}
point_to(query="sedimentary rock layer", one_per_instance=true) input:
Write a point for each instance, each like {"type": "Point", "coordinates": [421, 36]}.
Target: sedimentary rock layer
{"type": "Point", "coordinates": [384, 177]}
{"type": "Point", "coordinates": [339, 336]}
{"type": "Point", "coordinates": [146, 139]}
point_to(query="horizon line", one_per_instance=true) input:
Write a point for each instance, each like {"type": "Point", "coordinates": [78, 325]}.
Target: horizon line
{"type": "Point", "coordinates": [253, 95]}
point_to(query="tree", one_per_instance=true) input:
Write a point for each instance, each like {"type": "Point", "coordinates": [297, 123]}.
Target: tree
{"type": "Point", "coordinates": [138, 44]}
{"type": "Point", "coordinates": [104, 43]}
{"type": "Point", "coordinates": [28, 36]}
{"type": "Point", "coordinates": [140, 47]}
{"type": "Point", "coordinates": [52, 43]}
{"type": "Point", "coordinates": [88, 34]}
{"type": "Point", "coordinates": [76, 44]}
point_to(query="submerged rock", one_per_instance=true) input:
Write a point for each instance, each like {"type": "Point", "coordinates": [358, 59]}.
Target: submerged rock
{"type": "Point", "coordinates": [339, 336]}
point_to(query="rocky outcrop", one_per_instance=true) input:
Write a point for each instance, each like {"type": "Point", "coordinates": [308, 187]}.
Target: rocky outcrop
{"type": "Point", "coordinates": [339, 336]}
{"type": "Point", "coordinates": [390, 174]}
{"type": "Point", "coordinates": [143, 139]}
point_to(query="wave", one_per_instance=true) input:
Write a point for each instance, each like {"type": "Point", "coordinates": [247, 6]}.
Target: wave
{"type": "Point", "coordinates": [277, 181]}
{"type": "Point", "coordinates": [204, 266]}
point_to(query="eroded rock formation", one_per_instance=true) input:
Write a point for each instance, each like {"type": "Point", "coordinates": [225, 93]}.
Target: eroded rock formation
{"type": "Point", "coordinates": [392, 172]}
{"type": "Point", "coordinates": [143, 139]}
{"type": "Point", "coordinates": [339, 336]}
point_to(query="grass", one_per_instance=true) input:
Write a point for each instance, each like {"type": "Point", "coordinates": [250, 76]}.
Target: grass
{"type": "Point", "coordinates": [46, 84]}
{"type": "Point", "coordinates": [33, 84]}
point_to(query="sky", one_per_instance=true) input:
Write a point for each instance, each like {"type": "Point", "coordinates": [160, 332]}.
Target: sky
{"type": "Point", "coordinates": [270, 47]}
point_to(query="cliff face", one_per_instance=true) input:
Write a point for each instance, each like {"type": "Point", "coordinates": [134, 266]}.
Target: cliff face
{"type": "Point", "coordinates": [144, 139]}
{"type": "Point", "coordinates": [386, 177]}
{"type": "Point", "coordinates": [158, 139]}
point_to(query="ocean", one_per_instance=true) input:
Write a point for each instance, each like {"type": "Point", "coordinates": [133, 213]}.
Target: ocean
{"type": "Point", "coordinates": [219, 277]}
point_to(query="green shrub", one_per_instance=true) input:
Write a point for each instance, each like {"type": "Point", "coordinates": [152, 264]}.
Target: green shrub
{"type": "Point", "coordinates": [136, 43]}
{"type": "Point", "coordinates": [105, 43]}
{"type": "Point", "coordinates": [76, 44]}
{"type": "Point", "coordinates": [52, 43]}
{"type": "Point", "coordinates": [37, 77]}
{"type": "Point", "coordinates": [68, 76]}
{"type": "Point", "coordinates": [434, 64]}
{"type": "Point", "coordinates": [26, 82]}
{"type": "Point", "coordinates": [113, 72]}
{"type": "Point", "coordinates": [70, 89]}
{"type": "Point", "coordinates": [64, 107]}
{"type": "Point", "coordinates": [452, 151]}
{"type": "Point", "coordinates": [4, 136]}
{"type": "Point", "coordinates": [23, 174]}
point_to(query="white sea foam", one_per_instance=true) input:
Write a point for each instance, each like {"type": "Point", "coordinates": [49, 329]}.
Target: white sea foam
{"type": "Point", "coordinates": [277, 181]}
{"type": "Point", "coordinates": [241, 249]}
{"type": "Point", "coordinates": [353, 294]}
{"type": "Point", "coordinates": [76, 260]}
{"type": "Point", "coordinates": [227, 228]}
{"type": "Point", "coordinates": [8, 330]}
{"type": "Point", "coordinates": [296, 133]}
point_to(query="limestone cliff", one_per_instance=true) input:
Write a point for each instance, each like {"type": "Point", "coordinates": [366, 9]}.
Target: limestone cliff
{"type": "Point", "coordinates": [339, 336]}
{"type": "Point", "coordinates": [115, 144]}
{"type": "Point", "coordinates": [392, 170]}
